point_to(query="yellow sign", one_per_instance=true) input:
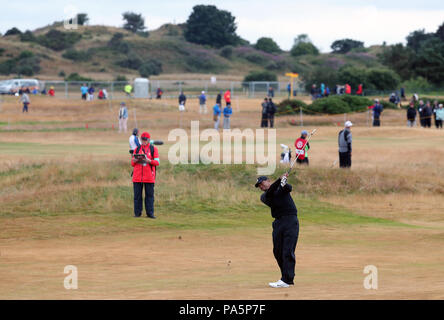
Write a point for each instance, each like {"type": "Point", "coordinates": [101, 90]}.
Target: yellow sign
{"type": "Point", "coordinates": [292, 75]}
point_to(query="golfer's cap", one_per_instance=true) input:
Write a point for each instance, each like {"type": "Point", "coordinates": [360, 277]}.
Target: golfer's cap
{"type": "Point", "coordinates": [260, 180]}
{"type": "Point", "coordinates": [203, 92]}
{"type": "Point", "coordinates": [304, 132]}
{"type": "Point", "coordinates": [145, 136]}
{"type": "Point", "coordinates": [348, 124]}
{"type": "Point", "coordinates": [376, 100]}
{"type": "Point", "coordinates": [122, 103]}
{"type": "Point", "coordinates": [135, 131]}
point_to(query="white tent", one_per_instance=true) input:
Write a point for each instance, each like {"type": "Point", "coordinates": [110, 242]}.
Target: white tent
{"type": "Point", "coordinates": [141, 88]}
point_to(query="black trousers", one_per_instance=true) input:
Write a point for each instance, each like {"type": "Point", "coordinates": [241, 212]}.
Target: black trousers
{"type": "Point", "coordinates": [428, 122]}
{"type": "Point", "coordinates": [376, 122]}
{"type": "Point", "coordinates": [264, 121]}
{"type": "Point", "coordinates": [285, 238]}
{"type": "Point", "coordinates": [438, 124]}
{"type": "Point", "coordinates": [305, 161]}
{"type": "Point", "coordinates": [271, 118]}
{"type": "Point", "coordinates": [149, 198]}
{"type": "Point", "coordinates": [345, 160]}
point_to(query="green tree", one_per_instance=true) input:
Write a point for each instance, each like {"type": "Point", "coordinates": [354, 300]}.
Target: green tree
{"type": "Point", "coordinates": [416, 38]}
{"type": "Point", "coordinates": [304, 48]}
{"type": "Point", "coordinates": [267, 45]}
{"type": "Point", "coordinates": [429, 61]}
{"type": "Point", "coordinates": [260, 76]}
{"type": "Point", "coordinates": [82, 19]}
{"type": "Point", "coordinates": [353, 76]}
{"type": "Point", "coordinates": [345, 45]}
{"type": "Point", "coordinates": [134, 22]}
{"type": "Point", "coordinates": [321, 74]}
{"type": "Point", "coordinates": [440, 32]}
{"type": "Point", "coordinates": [211, 26]}
{"type": "Point", "coordinates": [12, 32]}
{"type": "Point", "coordinates": [399, 58]}
{"type": "Point", "coordinates": [383, 79]}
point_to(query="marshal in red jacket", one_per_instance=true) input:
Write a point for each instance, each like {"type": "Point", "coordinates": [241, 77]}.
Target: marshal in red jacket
{"type": "Point", "coordinates": [145, 173]}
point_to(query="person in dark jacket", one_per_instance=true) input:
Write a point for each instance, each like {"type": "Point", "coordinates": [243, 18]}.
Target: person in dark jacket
{"type": "Point", "coordinates": [219, 98]}
{"type": "Point", "coordinates": [264, 120]}
{"type": "Point", "coordinates": [421, 107]}
{"type": "Point", "coordinates": [377, 110]}
{"type": "Point", "coordinates": [285, 226]}
{"type": "Point", "coordinates": [271, 110]}
{"type": "Point", "coordinates": [345, 145]}
{"type": "Point", "coordinates": [411, 115]}
{"type": "Point", "coordinates": [145, 160]}
{"type": "Point", "coordinates": [427, 114]}
{"type": "Point", "coordinates": [182, 99]}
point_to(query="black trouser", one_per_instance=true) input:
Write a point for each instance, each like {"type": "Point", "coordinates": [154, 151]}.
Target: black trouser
{"type": "Point", "coordinates": [149, 198]}
{"type": "Point", "coordinates": [25, 107]}
{"type": "Point", "coordinates": [428, 122]}
{"type": "Point", "coordinates": [271, 118]}
{"type": "Point", "coordinates": [305, 161]}
{"type": "Point", "coordinates": [285, 238]}
{"type": "Point", "coordinates": [376, 122]}
{"type": "Point", "coordinates": [438, 124]}
{"type": "Point", "coordinates": [345, 160]}
{"type": "Point", "coordinates": [264, 121]}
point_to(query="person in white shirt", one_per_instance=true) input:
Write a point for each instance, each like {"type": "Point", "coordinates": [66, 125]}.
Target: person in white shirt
{"type": "Point", "coordinates": [134, 141]}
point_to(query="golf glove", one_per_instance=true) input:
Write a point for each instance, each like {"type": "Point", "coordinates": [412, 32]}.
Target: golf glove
{"type": "Point", "coordinates": [283, 181]}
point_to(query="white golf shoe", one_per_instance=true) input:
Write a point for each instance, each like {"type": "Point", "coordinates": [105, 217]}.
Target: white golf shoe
{"type": "Point", "coordinates": [279, 284]}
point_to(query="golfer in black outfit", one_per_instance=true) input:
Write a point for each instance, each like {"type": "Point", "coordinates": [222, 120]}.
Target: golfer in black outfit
{"type": "Point", "coordinates": [285, 226]}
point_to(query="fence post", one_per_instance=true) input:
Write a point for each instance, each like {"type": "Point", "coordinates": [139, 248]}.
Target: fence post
{"type": "Point", "coordinates": [66, 90]}
{"type": "Point", "coordinates": [112, 90]}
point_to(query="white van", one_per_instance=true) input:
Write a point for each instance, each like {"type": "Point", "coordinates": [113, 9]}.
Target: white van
{"type": "Point", "coordinates": [14, 85]}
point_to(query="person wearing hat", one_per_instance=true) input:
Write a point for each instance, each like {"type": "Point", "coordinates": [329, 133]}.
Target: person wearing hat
{"type": "Point", "coordinates": [145, 159]}
{"type": "Point", "coordinates": [134, 140]}
{"type": "Point", "coordinates": [123, 117]}
{"type": "Point", "coordinates": [277, 196]}
{"type": "Point", "coordinates": [439, 116]}
{"type": "Point", "coordinates": [203, 103]}
{"type": "Point", "coordinates": [302, 146]}
{"type": "Point", "coordinates": [377, 110]}
{"type": "Point", "coordinates": [345, 146]}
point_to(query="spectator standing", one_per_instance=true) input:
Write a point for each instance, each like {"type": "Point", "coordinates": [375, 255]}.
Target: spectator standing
{"type": "Point", "coordinates": [264, 120]}
{"type": "Point", "coordinates": [313, 92]}
{"type": "Point", "coordinates": [348, 89]}
{"type": "Point", "coordinates": [84, 91]}
{"type": "Point", "coordinates": [26, 102]}
{"type": "Point", "coordinates": [270, 92]}
{"type": "Point", "coordinates": [128, 89]}
{"type": "Point", "coordinates": [345, 146]}
{"type": "Point", "coordinates": [159, 93]}
{"type": "Point", "coordinates": [216, 115]}
{"type": "Point", "coordinates": [377, 110]}
{"type": "Point", "coordinates": [219, 98]}
{"type": "Point", "coordinates": [101, 95]}
{"type": "Point", "coordinates": [227, 97]}
{"type": "Point", "coordinates": [123, 117]}
{"type": "Point", "coordinates": [203, 103]}
{"type": "Point", "coordinates": [439, 116]}
{"type": "Point", "coordinates": [91, 93]}
{"type": "Point", "coordinates": [182, 101]}
{"type": "Point", "coordinates": [403, 94]}
{"type": "Point", "coordinates": [434, 108]}
{"type": "Point", "coordinates": [322, 93]}
{"type": "Point", "coordinates": [427, 111]}
{"type": "Point", "coordinates": [359, 91]}
{"type": "Point", "coordinates": [134, 141]}
{"type": "Point", "coordinates": [421, 108]}
{"type": "Point", "coordinates": [271, 110]}
{"type": "Point", "coordinates": [411, 115]}
{"type": "Point", "coordinates": [228, 111]}
{"type": "Point", "coordinates": [289, 90]}
{"type": "Point", "coordinates": [51, 91]}
{"type": "Point", "coordinates": [327, 91]}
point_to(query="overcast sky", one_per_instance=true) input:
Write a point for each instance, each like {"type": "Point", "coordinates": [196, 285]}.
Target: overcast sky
{"type": "Point", "coordinates": [371, 21]}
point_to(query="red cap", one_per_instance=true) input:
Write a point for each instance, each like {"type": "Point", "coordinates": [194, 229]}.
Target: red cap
{"type": "Point", "coordinates": [145, 135]}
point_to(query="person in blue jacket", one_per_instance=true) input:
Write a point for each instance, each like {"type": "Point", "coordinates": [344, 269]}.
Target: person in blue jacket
{"type": "Point", "coordinates": [203, 103]}
{"type": "Point", "coordinates": [377, 110]}
{"type": "Point", "coordinates": [216, 115]}
{"type": "Point", "coordinates": [228, 111]}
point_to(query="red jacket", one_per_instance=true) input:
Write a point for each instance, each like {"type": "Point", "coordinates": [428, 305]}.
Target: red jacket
{"type": "Point", "coordinates": [145, 173]}
{"type": "Point", "coordinates": [227, 96]}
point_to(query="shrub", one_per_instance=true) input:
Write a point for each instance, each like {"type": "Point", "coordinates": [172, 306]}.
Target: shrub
{"type": "Point", "coordinates": [26, 64]}
{"type": "Point", "coordinates": [62, 73]}
{"type": "Point", "coordinates": [227, 52]}
{"type": "Point", "coordinates": [76, 77]}
{"type": "Point", "coordinates": [150, 67]}
{"type": "Point", "coordinates": [12, 32]}
{"type": "Point", "coordinates": [58, 40]}
{"type": "Point", "coordinates": [2, 50]}
{"type": "Point", "coordinates": [75, 55]}
{"type": "Point", "coordinates": [353, 76]}
{"type": "Point", "coordinates": [132, 61]}
{"type": "Point", "coordinates": [202, 60]}
{"type": "Point", "coordinates": [383, 79]}
{"type": "Point", "coordinates": [290, 106]}
{"type": "Point", "coordinates": [120, 78]}
{"type": "Point", "coordinates": [256, 58]}
{"type": "Point", "coordinates": [27, 36]}
{"type": "Point", "coordinates": [340, 104]}
{"type": "Point", "coordinates": [417, 84]}
{"type": "Point", "coordinates": [356, 103]}
{"type": "Point", "coordinates": [304, 48]}
{"type": "Point", "coordinates": [116, 43]}
{"type": "Point", "coordinates": [267, 45]}
{"type": "Point", "coordinates": [388, 104]}
{"type": "Point", "coordinates": [260, 76]}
